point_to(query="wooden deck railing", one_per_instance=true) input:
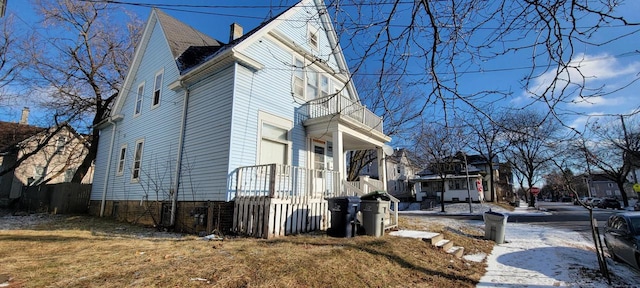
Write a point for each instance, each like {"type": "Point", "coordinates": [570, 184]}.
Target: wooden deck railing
{"type": "Point", "coordinates": [286, 182]}
{"type": "Point", "coordinates": [341, 105]}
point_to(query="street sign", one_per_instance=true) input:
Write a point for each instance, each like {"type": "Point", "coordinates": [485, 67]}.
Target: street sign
{"type": "Point", "coordinates": [534, 190]}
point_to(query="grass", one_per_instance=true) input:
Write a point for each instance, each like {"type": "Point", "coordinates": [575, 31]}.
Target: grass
{"type": "Point", "coordinates": [83, 251]}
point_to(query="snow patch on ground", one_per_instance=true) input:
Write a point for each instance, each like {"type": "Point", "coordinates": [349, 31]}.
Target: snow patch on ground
{"type": "Point", "coordinates": [479, 257]}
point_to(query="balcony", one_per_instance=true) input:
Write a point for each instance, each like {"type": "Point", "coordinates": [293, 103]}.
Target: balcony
{"type": "Point", "coordinates": [331, 106]}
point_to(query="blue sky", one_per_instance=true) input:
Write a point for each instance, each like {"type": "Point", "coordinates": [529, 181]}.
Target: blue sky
{"type": "Point", "coordinates": [613, 66]}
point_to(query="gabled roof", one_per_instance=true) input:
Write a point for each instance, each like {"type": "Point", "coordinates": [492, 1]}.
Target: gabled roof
{"type": "Point", "coordinates": [13, 133]}
{"type": "Point", "coordinates": [181, 36]}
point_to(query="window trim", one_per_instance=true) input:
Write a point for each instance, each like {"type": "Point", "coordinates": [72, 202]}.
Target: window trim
{"type": "Point", "coordinates": [122, 160]}
{"type": "Point", "coordinates": [157, 88]}
{"type": "Point", "coordinates": [137, 105]}
{"type": "Point", "coordinates": [278, 122]}
{"type": "Point", "coordinates": [137, 159]}
{"type": "Point", "coordinates": [299, 70]}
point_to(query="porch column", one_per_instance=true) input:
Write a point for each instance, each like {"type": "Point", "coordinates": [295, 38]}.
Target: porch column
{"type": "Point", "coordinates": [382, 167]}
{"type": "Point", "coordinates": [339, 163]}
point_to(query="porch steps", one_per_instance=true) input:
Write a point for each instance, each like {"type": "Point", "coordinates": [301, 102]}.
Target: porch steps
{"type": "Point", "coordinates": [435, 239]}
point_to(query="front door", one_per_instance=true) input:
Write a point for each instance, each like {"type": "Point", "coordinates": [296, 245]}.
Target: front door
{"type": "Point", "coordinates": [319, 165]}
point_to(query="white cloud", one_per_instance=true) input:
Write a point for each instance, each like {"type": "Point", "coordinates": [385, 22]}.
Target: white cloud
{"type": "Point", "coordinates": [590, 71]}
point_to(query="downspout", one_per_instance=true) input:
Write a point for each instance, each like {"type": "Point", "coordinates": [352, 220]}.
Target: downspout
{"type": "Point", "coordinates": [174, 198]}
{"type": "Point", "coordinates": [106, 173]}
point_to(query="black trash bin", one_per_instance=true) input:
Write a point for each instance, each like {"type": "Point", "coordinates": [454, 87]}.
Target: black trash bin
{"type": "Point", "coordinates": [343, 216]}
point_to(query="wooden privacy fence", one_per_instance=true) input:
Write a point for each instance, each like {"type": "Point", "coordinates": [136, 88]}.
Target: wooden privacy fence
{"type": "Point", "coordinates": [62, 198]}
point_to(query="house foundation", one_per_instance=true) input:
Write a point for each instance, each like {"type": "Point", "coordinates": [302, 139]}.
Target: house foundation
{"type": "Point", "coordinates": [200, 217]}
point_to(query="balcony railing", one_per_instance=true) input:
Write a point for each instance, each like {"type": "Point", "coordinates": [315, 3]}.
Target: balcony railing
{"type": "Point", "coordinates": [341, 105]}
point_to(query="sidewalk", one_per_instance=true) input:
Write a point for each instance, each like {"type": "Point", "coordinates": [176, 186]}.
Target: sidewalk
{"type": "Point", "coordinates": [540, 256]}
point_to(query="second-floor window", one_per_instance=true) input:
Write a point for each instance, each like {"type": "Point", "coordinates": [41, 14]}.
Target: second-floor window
{"type": "Point", "coordinates": [139, 94]}
{"type": "Point", "coordinates": [312, 84]}
{"type": "Point", "coordinates": [157, 89]}
{"type": "Point", "coordinates": [298, 78]}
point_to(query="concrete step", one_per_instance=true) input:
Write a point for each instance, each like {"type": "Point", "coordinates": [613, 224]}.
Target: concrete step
{"type": "Point", "coordinates": [444, 244]}
{"type": "Point", "coordinates": [433, 239]}
{"type": "Point", "coordinates": [457, 251]}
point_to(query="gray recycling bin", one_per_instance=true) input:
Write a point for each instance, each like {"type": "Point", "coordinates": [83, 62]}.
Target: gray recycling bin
{"type": "Point", "coordinates": [373, 216]}
{"type": "Point", "coordinates": [343, 216]}
{"type": "Point", "coordinates": [374, 208]}
{"type": "Point", "coordinates": [494, 226]}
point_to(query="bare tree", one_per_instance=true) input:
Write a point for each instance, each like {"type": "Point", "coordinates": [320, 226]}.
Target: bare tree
{"type": "Point", "coordinates": [10, 64]}
{"type": "Point", "coordinates": [611, 151]}
{"type": "Point", "coordinates": [437, 45]}
{"type": "Point", "coordinates": [484, 138]}
{"type": "Point", "coordinates": [438, 146]}
{"type": "Point", "coordinates": [529, 139]}
{"type": "Point", "coordinates": [80, 63]}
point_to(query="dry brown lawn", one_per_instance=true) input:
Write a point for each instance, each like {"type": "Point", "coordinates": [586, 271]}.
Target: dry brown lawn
{"type": "Point", "coordinates": [83, 251]}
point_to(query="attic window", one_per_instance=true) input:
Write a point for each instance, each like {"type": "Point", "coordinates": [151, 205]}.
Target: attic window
{"type": "Point", "coordinates": [313, 37]}
{"type": "Point", "coordinates": [157, 89]}
{"type": "Point", "coordinates": [138, 107]}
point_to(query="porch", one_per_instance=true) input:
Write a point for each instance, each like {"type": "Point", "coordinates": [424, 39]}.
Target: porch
{"type": "Point", "coordinates": [276, 200]}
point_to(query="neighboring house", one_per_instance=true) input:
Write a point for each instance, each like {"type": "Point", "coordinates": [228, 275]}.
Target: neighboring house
{"type": "Point", "coordinates": [55, 162]}
{"type": "Point", "coordinates": [601, 187]}
{"type": "Point", "coordinates": [400, 169]}
{"type": "Point", "coordinates": [429, 183]}
{"type": "Point", "coordinates": [458, 184]}
{"type": "Point", "coordinates": [256, 129]}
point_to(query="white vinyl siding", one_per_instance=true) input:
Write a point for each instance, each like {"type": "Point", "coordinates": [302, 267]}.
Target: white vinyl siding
{"type": "Point", "coordinates": [157, 89]}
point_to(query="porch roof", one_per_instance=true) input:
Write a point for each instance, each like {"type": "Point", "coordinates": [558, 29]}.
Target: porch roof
{"type": "Point", "coordinates": [356, 136]}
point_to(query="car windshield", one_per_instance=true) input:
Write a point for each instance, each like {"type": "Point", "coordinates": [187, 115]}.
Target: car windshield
{"type": "Point", "coordinates": [635, 223]}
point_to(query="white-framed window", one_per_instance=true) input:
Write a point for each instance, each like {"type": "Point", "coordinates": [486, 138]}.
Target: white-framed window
{"type": "Point", "coordinates": [274, 142]}
{"type": "Point", "coordinates": [324, 85]}
{"type": "Point", "coordinates": [312, 37]}
{"type": "Point", "coordinates": [137, 161]}
{"type": "Point", "coordinates": [61, 144]}
{"type": "Point", "coordinates": [138, 105]}
{"type": "Point", "coordinates": [312, 84]}
{"type": "Point", "coordinates": [298, 78]}
{"type": "Point", "coordinates": [121, 159]}
{"type": "Point", "coordinates": [157, 89]}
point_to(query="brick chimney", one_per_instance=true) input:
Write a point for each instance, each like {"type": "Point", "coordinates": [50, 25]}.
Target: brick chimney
{"type": "Point", "coordinates": [236, 32]}
{"type": "Point", "coordinates": [24, 119]}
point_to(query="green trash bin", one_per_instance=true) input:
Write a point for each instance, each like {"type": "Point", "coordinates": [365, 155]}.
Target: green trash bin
{"type": "Point", "coordinates": [374, 208]}
{"type": "Point", "coordinates": [494, 226]}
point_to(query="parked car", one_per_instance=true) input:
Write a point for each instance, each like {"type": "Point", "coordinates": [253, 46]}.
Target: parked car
{"type": "Point", "coordinates": [594, 202]}
{"type": "Point", "coordinates": [622, 237]}
{"type": "Point", "coordinates": [609, 203]}
{"type": "Point", "coordinates": [584, 200]}
{"type": "Point", "coordinates": [636, 207]}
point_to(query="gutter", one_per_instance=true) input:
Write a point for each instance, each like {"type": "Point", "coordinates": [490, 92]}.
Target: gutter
{"type": "Point", "coordinates": [183, 124]}
{"type": "Point", "coordinates": [111, 120]}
